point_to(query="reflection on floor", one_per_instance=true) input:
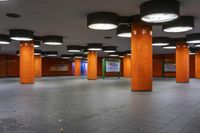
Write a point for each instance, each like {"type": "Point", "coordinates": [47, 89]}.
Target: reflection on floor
{"type": "Point", "coordinates": [65, 104]}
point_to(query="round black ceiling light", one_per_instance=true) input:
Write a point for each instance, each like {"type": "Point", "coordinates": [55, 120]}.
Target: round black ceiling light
{"type": "Point", "coordinates": [102, 20]}
{"type": "Point", "coordinates": [197, 45]}
{"type": "Point", "coordinates": [53, 40]}
{"type": "Point", "coordinates": [107, 37]}
{"type": "Point", "coordinates": [37, 44]}
{"type": "Point", "coordinates": [94, 46]}
{"type": "Point", "coordinates": [182, 24]}
{"type": "Point", "coordinates": [128, 52]}
{"type": "Point", "coordinates": [124, 31]}
{"type": "Point", "coordinates": [159, 11]}
{"type": "Point", "coordinates": [66, 56]}
{"type": "Point", "coordinates": [193, 38]}
{"type": "Point", "coordinates": [122, 54]}
{"type": "Point", "coordinates": [4, 39]}
{"type": "Point", "coordinates": [17, 53]}
{"type": "Point", "coordinates": [115, 54]}
{"type": "Point", "coordinates": [78, 56]}
{"type": "Point", "coordinates": [171, 46]}
{"type": "Point", "coordinates": [74, 48]}
{"type": "Point", "coordinates": [51, 53]}
{"type": "Point", "coordinates": [21, 35]}
{"type": "Point", "coordinates": [13, 15]}
{"type": "Point", "coordinates": [192, 51]}
{"type": "Point", "coordinates": [37, 52]}
{"type": "Point", "coordinates": [161, 41]}
{"type": "Point", "coordinates": [109, 49]}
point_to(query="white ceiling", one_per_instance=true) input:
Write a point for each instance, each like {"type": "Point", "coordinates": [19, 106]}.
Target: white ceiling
{"type": "Point", "coordinates": [68, 18]}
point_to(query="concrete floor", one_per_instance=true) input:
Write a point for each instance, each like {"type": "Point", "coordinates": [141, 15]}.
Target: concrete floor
{"type": "Point", "coordinates": [63, 104]}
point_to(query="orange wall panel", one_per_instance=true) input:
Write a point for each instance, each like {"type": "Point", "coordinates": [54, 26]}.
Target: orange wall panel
{"type": "Point", "coordinates": [182, 63]}
{"type": "Point", "coordinates": [50, 67]}
{"type": "Point", "coordinates": [158, 61]}
{"type": "Point", "coordinates": [38, 66]}
{"type": "Point", "coordinates": [12, 66]}
{"type": "Point", "coordinates": [2, 65]}
{"type": "Point", "coordinates": [141, 57]}
{"type": "Point", "coordinates": [92, 65]}
{"type": "Point", "coordinates": [197, 65]}
{"type": "Point", "coordinates": [77, 67]}
{"type": "Point", "coordinates": [127, 66]}
{"type": "Point", "coordinates": [192, 66]}
{"type": "Point", "coordinates": [26, 63]}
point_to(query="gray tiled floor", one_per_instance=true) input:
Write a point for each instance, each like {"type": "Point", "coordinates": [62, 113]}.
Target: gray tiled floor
{"type": "Point", "coordinates": [103, 106]}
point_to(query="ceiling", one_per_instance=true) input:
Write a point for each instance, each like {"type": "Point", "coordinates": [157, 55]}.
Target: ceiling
{"type": "Point", "coordinates": [68, 18]}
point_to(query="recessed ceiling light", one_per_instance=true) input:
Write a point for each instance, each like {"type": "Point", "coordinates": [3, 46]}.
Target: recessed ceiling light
{"type": "Point", "coordinates": [161, 41]}
{"type": "Point", "coordinates": [53, 40]}
{"type": "Point", "coordinates": [193, 38]}
{"type": "Point", "coordinates": [159, 11]}
{"type": "Point", "coordinates": [124, 31]}
{"type": "Point", "coordinates": [74, 48]}
{"type": "Point", "coordinates": [182, 24]}
{"type": "Point", "coordinates": [109, 49]}
{"type": "Point", "coordinates": [102, 20]}
{"type": "Point", "coordinates": [94, 46]}
{"type": "Point", "coordinates": [4, 39]}
{"type": "Point", "coordinates": [21, 35]}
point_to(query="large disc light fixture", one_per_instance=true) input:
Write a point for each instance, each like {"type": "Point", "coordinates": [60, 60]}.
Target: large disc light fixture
{"type": "Point", "coordinates": [51, 53]}
{"type": "Point", "coordinates": [4, 39]}
{"type": "Point", "coordinates": [66, 56]}
{"type": "Point", "coordinates": [102, 20]}
{"type": "Point", "coordinates": [36, 44]}
{"type": "Point", "coordinates": [94, 46]}
{"type": "Point", "coordinates": [159, 11]}
{"type": "Point", "coordinates": [171, 46]}
{"type": "Point", "coordinates": [193, 38]}
{"type": "Point", "coordinates": [128, 52]}
{"type": "Point", "coordinates": [161, 41]}
{"type": "Point", "coordinates": [122, 54]}
{"type": "Point", "coordinates": [74, 48]}
{"type": "Point", "coordinates": [21, 35]}
{"type": "Point", "coordinates": [37, 52]}
{"type": "Point", "coordinates": [53, 40]}
{"type": "Point", "coordinates": [124, 31]}
{"type": "Point", "coordinates": [115, 54]}
{"type": "Point", "coordinates": [109, 49]}
{"type": "Point", "coordinates": [182, 24]}
{"type": "Point", "coordinates": [78, 56]}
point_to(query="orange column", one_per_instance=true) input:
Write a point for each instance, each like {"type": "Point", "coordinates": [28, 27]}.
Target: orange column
{"type": "Point", "coordinates": [141, 57]}
{"type": "Point", "coordinates": [38, 66]}
{"type": "Point", "coordinates": [182, 62]}
{"type": "Point", "coordinates": [26, 63]}
{"type": "Point", "coordinates": [92, 65]}
{"type": "Point", "coordinates": [127, 66]}
{"type": "Point", "coordinates": [197, 65]}
{"type": "Point", "coordinates": [77, 67]}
